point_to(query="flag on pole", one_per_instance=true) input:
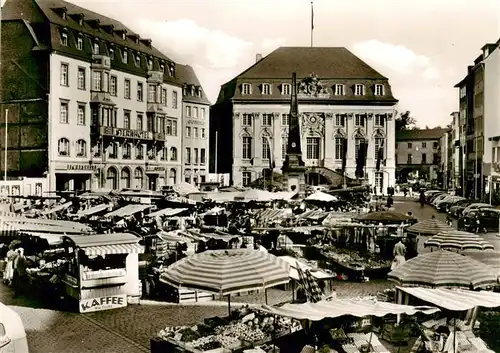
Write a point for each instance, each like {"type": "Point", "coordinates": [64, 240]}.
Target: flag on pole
{"type": "Point", "coordinates": [312, 15]}
{"type": "Point", "coordinates": [380, 156]}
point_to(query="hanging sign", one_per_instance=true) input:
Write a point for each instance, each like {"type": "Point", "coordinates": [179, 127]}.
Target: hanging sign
{"type": "Point", "coordinates": [103, 303]}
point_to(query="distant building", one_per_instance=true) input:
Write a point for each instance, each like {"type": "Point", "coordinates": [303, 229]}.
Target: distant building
{"type": "Point", "coordinates": [109, 113]}
{"type": "Point", "coordinates": [455, 157]}
{"type": "Point", "coordinates": [195, 127]}
{"type": "Point", "coordinates": [418, 154]}
{"type": "Point", "coordinates": [340, 97]}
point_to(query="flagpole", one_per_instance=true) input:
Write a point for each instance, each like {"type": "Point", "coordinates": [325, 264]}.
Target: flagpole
{"type": "Point", "coordinates": [6, 143]}
{"type": "Point", "coordinates": [312, 23]}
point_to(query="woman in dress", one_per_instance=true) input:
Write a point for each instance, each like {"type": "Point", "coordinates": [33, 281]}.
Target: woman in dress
{"type": "Point", "coordinates": [9, 269]}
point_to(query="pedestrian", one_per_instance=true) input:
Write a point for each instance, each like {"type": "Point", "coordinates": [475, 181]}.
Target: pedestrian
{"type": "Point", "coordinates": [390, 201]}
{"type": "Point", "coordinates": [20, 278]}
{"type": "Point", "coordinates": [399, 255]}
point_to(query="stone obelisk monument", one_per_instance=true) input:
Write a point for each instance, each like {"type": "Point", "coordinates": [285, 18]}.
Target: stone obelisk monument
{"type": "Point", "coordinates": [294, 167]}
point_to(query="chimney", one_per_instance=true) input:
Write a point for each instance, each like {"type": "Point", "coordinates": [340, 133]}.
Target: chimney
{"type": "Point", "coordinates": [258, 57]}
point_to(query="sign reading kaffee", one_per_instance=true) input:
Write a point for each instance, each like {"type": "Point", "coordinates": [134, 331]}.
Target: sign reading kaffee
{"type": "Point", "coordinates": [77, 167]}
{"type": "Point", "coordinates": [103, 303]}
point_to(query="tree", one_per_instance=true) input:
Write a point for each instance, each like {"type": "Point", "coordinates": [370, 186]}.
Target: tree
{"type": "Point", "coordinates": [405, 121]}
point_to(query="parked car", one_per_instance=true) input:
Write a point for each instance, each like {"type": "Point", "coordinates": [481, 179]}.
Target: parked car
{"type": "Point", "coordinates": [488, 218]}
{"type": "Point", "coordinates": [445, 205]}
{"type": "Point", "coordinates": [459, 206]}
{"type": "Point", "coordinates": [440, 198]}
{"type": "Point", "coordinates": [429, 193]}
{"type": "Point", "coordinates": [435, 196]}
{"type": "Point", "coordinates": [475, 206]}
{"type": "Point", "coordinates": [12, 332]}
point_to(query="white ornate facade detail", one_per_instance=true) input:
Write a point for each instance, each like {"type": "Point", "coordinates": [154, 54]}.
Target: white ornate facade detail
{"type": "Point", "coordinates": [312, 124]}
{"type": "Point", "coordinates": [312, 87]}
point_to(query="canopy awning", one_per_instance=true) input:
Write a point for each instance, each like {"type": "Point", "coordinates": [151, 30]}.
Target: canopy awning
{"type": "Point", "coordinates": [13, 228]}
{"type": "Point", "coordinates": [128, 210]}
{"type": "Point", "coordinates": [341, 307]}
{"type": "Point", "coordinates": [114, 249]}
{"type": "Point", "coordinates": [316, 273]}
{"type": "Point", "coordinates": [167, 212]}
{"type": "Point", "coordinates": [454, 299]}
{"type": "Point", "coordinates": [58, 208]}
{"type": "Point", "coordinates": [51, 239]}
{"type": "Point", "coordinates": [93, 210]}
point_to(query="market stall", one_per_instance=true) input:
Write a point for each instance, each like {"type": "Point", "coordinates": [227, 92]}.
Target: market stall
{"type": "Point", "coordinates": [245, 328]}
{"type": "Point", "coordinates": [103, 270]}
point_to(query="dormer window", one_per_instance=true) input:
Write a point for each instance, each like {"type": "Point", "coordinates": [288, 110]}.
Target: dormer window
{"type": "Point", "coordinates": [80, 21]}
{"type": "Point", "coordinates": [125, 56]}
{"type": "Point", "coordinates": [246, 88]}
{"type": "Point", "coordinates": [137, 60]}
{"type": "Point", "coordinates": [359, 90]}
{"type": "Point", "coordinates": [339, 90]}
{"type": "Point", "coordinates": [63, 15]}
{"type": "Point", "coordinates": [79, 43]}
{"type": "Point", "coordinates": [162, 68]}
{"type": "Point", "coordinates": [266, 88]}
{"type": "Point", "coordinates": [111, 53]}
{"type": "Point", "coordinates": [199, 92]}
{"type": "Point", "coordinates": [379, 90]}
{"type": "Point", "coordinates": [285, 89]}
{"type": "Point", "coordinates": [64, 38]}
{"type": "Point", "coordinates": [171, 71]}
{"type": "Point", "coordinates": [192, 91]}
{"type": "Point", "coordinates": [124, 36]}
{"type": "Point", "coordinates": [95, 49]}
{"type": "Point", "coordinates": [150, 64]}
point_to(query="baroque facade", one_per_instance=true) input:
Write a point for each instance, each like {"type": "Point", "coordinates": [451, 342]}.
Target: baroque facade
{"type": "Point", "coordinates": [113, 115]}
{"type": "Point", "coordinates": [343, 99]}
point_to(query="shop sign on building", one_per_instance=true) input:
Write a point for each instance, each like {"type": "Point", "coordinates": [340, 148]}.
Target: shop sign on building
{"type": "Point", "coordinates": [119, 132]}
{"type": "Point", "coordinates": [103, 303]}
{"type": "Point", "coordinates": [77, 167]}
{"type": "Point", "coordinates": [152, 168]}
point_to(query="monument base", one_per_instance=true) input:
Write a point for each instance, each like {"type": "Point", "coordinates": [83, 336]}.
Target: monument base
{"type": "Point", "coordinates": [296, 182]}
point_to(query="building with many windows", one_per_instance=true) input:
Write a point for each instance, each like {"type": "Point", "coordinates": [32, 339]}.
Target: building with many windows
{"type": "Point", "coordinates": [418, 155]}
{"type": "Point", "coordinates": [114, 103]}
{"type": "Point", "coordinates": [195, 118]}
{"type": "Point", "coordinates": [340, 97]}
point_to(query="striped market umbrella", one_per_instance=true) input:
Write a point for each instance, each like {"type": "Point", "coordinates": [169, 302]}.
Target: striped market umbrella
{"type": "Point", "coordinates": [226, 272]}
{"type": "Point", "coordinates": [431, 226]}
{"type": "Point", "coordinates": [459, 240]}
{"type": "Point", "coordinates": [443, 269]}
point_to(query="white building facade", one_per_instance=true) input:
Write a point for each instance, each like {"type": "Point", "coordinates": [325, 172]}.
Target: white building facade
{"type": "Point", "coordinates": [340, 98]}
{"type": "Point", "coordinates": [491, 61]}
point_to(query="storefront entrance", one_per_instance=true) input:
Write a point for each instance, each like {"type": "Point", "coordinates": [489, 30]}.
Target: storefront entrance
{"type": "Point", "coordinates": [72, 182]}
{"type": "Point", "coordinates": [153, 181]}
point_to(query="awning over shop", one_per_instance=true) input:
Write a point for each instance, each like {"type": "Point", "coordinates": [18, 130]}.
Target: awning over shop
{"type": "Point", "coordinates": [222, 196]}
{"type": "Point", "coordinates": [316, 273]}
{"type": "Point", "coordinates": [93, 210]}
{"type": "Point", "coordinates": [314, 214]}
{"type": "Point", "coordinates": [114, 249]}
{"type": "Point", "coordinates": [167, 212]}
{"type": "Point", "coordinates": [107, 244]}
{"type": "Point", "coordinates": [80, 227]}
{"type": "Point", "coordinates": [128, 210]}
{"type": "Point", "coordinates": [58, 208]}
{"type": "Point", "coordinates": [51, 239]}
{"type": "Point", "coordinates": [283, 195]}
{"type": "Point", "coordinates": [454, 299]}
{"type": "Point", "coordinates": [13, 229]}
{"type": "Point", "coordinates": [341, 307]}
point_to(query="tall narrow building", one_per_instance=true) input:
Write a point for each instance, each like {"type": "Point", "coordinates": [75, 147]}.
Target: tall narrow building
{"type": "Point", "coordinates": [340, 98]}
{"type": "Point", "coordinates": [111, 115]}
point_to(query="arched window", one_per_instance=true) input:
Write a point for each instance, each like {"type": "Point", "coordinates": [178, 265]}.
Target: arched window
{"type": "Point", "coordinates": [81, 148]}
{"type": "Point", "coordinates": [127, 151]}
{"type": "Point", "coordinates": [125, 178]}
{"type": "Point", "coordinates": [173, 153]}
{"type": "Point", "coordinates": [112, 178]}
{"type": "Point", "coordinates": [173, 176]}
{"type": "Point", "coordinates": [113, 152]}
{"type": "Point", "coordinates": [63, 147]}
{"type": "Point", "coordinates": [139, 178]}
{"type": "Point", "coordinates": [139, 152]}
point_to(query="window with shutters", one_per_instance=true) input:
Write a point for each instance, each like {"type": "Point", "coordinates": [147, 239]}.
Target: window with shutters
{"type": "Point", "coordinates": [64, 79]}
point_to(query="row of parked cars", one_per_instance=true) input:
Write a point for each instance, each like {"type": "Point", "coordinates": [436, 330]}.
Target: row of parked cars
{"type": "Point", "coordinates": [472, 215]}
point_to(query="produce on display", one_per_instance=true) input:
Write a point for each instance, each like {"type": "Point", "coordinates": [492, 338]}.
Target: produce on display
{"type": "Point", "coordinates": [245, 327]}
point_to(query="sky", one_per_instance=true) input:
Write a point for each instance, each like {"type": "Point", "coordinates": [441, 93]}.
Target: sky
{"type": "Point", "coordinates": [423, 46]}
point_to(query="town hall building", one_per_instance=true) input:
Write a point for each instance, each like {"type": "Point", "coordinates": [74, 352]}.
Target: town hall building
{"type": "Point", "coordinates": [340, 98]}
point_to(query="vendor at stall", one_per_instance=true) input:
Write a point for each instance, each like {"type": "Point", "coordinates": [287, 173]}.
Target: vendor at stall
{"type": "Point", "coordinates": [20, 278]}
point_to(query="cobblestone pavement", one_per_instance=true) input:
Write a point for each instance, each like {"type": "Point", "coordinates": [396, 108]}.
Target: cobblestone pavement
{"type": "Point", "coordinates": [128, 330]}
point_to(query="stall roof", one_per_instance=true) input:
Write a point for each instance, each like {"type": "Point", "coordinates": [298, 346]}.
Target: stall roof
{"type": "Point", "coordinates": [39, 228]}
{"type": "Point", "coordinates": [168, 212]}
{"type": "Point", "coordinates": [58, 208]}
{"type": "Point", "coordinates": [48, 222]}
{"type": "Point", "coordinates": [341, 307]}
{"type": "Point", "coordinates": [316, 273]}
{"type": "Point", "coordinates": [454, 299]}
{"type": "Point", "coordinates": [93, 210]}
{"type": "Point", "coordinates": [51, 239]}
{"type": "Point", "coordinates": [128, 210]}
{"type": "Point", "coordinates": [84, 241]}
